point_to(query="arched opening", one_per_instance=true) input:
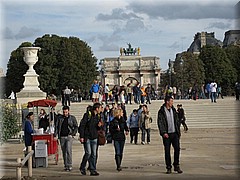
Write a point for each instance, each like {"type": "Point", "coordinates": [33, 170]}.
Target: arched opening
{"type": "Point", "coordinates": [131, 80]}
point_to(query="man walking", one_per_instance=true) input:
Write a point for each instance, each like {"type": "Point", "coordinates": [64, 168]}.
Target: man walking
{"type": "Point", "coordinates": [66, 128]}
{"type": "Point", "coordinates": [106, 91]}
{"type": "Point", "coordinates": [95, 91]}
{"type": "Point", "coordinates": [89, 126]}
{"type": "Point", "coordinates": [67, 93]}
{"type": "Point", "coordinates": [169, 128]}
{"type": "Point", "coordinates": [213, 87]}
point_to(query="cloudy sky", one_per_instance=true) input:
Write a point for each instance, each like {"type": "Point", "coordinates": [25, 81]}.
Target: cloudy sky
{"type": "Point", "coordinates": [159, 27]}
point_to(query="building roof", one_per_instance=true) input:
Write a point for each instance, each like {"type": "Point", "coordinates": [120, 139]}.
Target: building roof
{"type": "Point", "coordinates": [201, 39]}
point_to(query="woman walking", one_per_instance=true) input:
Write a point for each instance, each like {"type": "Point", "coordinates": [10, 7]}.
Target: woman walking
{"type": "Point", "coordinates": [117, 127]}
{"type": "Point", "coordinates": [145, 121]}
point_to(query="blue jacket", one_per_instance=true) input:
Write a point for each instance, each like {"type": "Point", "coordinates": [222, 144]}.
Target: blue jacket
{"type": "Point", "coordinates": [28, 130]}
{"type": "Point", "coordinates": [95, 88]}
{"type": "Point", "coordinates": [132, 121]}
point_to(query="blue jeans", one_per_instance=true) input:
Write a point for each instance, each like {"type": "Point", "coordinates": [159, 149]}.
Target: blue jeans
{"type": "Point", "coordinates": [66, 146]}
{"type": "Point", "coordinates": [90, 148]}
{"type": "Point", "coordinates": [213, 96]}
{"type": "Point", "coordinates": [119, 146]}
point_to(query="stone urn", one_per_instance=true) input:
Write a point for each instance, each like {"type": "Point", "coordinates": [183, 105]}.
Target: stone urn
{"type": "Point", "coordinates": [30, 57]}
{"type": "Point", "coordinates": [30, 91]}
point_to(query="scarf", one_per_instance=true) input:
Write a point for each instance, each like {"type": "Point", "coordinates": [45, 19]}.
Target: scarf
{"type": "Point", "coordinates": [170, 120]}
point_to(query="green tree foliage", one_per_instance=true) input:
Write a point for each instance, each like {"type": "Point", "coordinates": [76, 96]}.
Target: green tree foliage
{"type": "Point", "coordinates": [188, 72]}
{"type": "Point", "coordinates": [233, 54]}
{"type": "Point", "coordinates": [61, 62]}
{"type": "Point", "coordinates": [9, 120]}
{"type": "Point", "coordinates": [16, 68]}
{"type": "Point", "coordinates": [218, 67]}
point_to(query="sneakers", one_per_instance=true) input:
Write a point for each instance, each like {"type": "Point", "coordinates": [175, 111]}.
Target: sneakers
{"type": "Point", "coordinates": [68, 169]}
{"type": "Point", "coordinates": [142, 142]}
{"type": "Point", "coordinates": [148, 143]}
{"type": "Point", "coordinates": [178, 170]}
{"type": "Point", "coordinates": [94, 173]}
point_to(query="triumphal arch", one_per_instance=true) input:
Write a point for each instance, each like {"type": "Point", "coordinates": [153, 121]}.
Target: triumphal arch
{"type": "Point", "coordinates": [130, 67]}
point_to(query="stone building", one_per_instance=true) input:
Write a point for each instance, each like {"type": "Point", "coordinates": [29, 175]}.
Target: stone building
{"type": "Point", "coordinates": [203, 39]}
{"type": "Point", "coordinates": [130, 68]}
{"type": "Point", "coordinates": [232, 37]}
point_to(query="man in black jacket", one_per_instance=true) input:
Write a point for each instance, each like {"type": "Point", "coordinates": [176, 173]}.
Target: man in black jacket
{"type": "Point", "coordinates": [169, 128]}
{"type": "Point", "coordinates": [66, 128]}
{"type": "Point", "coordinates": [89, 126]}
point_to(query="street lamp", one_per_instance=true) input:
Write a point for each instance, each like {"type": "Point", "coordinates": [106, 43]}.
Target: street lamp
{"type": "Point", "coordinates": [181, 64]}
{"type": "Point", "coordinates": [102, 71]}
{"type": "Point", "coordinates": [170, 71]}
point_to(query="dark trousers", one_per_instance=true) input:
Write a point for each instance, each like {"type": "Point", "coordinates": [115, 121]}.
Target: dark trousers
{"type": "Point", "coordinates": [184, 125]}
{"type": "Point", "coordinates": [129, 98]}
{"type": "Point", "coordinates": [67, 100]}
{"type": "Point", "coordinates": [237, 95]}
{"type": "Point", "coordinates": [134, 134]}
{"type": "Point", "coordinates": [148, 98]}
{"type": "Point", "coordinates": [173, 140]}
{"type": "Point", "coordinates": [144, 131]}
{"type": "Point", "coordinates": [106, 98]}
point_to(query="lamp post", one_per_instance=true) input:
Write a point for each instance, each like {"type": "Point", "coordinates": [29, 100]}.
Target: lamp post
{"type": "Point", "coordinates": [170, 71]}
{"type": "Point", "coordinates": [102, 71]}
{"type": "Point", "coordinates": [181, 64]}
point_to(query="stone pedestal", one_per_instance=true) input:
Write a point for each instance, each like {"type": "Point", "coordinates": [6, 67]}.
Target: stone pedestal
{"type": "Point", "coordinates": [31, 91]}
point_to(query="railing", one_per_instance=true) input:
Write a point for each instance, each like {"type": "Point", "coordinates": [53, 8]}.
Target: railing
{"type": "Point", "coordinates": [19, 164]}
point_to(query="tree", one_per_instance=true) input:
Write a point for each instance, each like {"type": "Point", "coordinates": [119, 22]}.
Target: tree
{"type": "Point", "coordinates": [218, 67]}
{"type": "Point", "coordinates": [188, 72]}
{"type": "Point", "coordinates": [9, 120]}
{"type": "Point", "coordinates": [233, 54]}
{"type": "Point", "coordinates": [65, 62]}
{"type": "Point", "coordinates": [16, 68]}
{"type": "Point", "coordinates": [61, 62]}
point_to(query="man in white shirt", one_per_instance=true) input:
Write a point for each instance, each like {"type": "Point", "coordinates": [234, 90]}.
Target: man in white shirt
{"type": "Point", "coordinates": [67, 93]}
{"type": "Point", "coordinates": [106, 91]}
{"type": "Point", "coordinates": [213, 89]}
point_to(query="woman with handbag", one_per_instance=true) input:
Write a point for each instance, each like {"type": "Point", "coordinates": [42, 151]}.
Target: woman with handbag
{"type": "Point", "coordinates": [117, 127]}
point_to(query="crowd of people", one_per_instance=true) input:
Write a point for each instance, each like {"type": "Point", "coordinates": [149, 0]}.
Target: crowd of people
{"type": "Point", "coordinates": [111, 117]}
{"type": "Point", "coordinates": [122, 94]}
{"type": "Point", "coordinates": [211, 90]}
{"type": "Point", "coordinates": [135, 93]}
{"type": "Point", "coordinates": [116, 124]}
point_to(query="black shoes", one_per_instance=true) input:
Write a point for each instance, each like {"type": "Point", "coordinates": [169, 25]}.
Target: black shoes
{"type": "Point", "coordinates": [178, 170]}
{"type": "Point", "coordinates": [94, 173]}
{"type": "Point", "coordinates": [83, 172]}
{"type": "Point", "coordinates": [169, 171]}
{"type": "Point", "coordinates": [119, 169]}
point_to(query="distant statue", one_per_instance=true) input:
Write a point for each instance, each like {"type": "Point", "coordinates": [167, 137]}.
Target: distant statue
{"type": "Point", "coordinates": [121, 51]}
{"type": "Point", "coordinates": [129, 45]}
{"type": "Point", "coordinates": [138, 51]}
{"type": "Point", "coordinates": [129, 50]}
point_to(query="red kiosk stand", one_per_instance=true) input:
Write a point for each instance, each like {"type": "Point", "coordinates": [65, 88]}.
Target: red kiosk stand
{"type": "Point", "coordinates": [52, 143]}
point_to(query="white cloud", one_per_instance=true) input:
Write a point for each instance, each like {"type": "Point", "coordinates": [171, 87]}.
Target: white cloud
{"type": "Point", "coordinates": [159, 28]}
